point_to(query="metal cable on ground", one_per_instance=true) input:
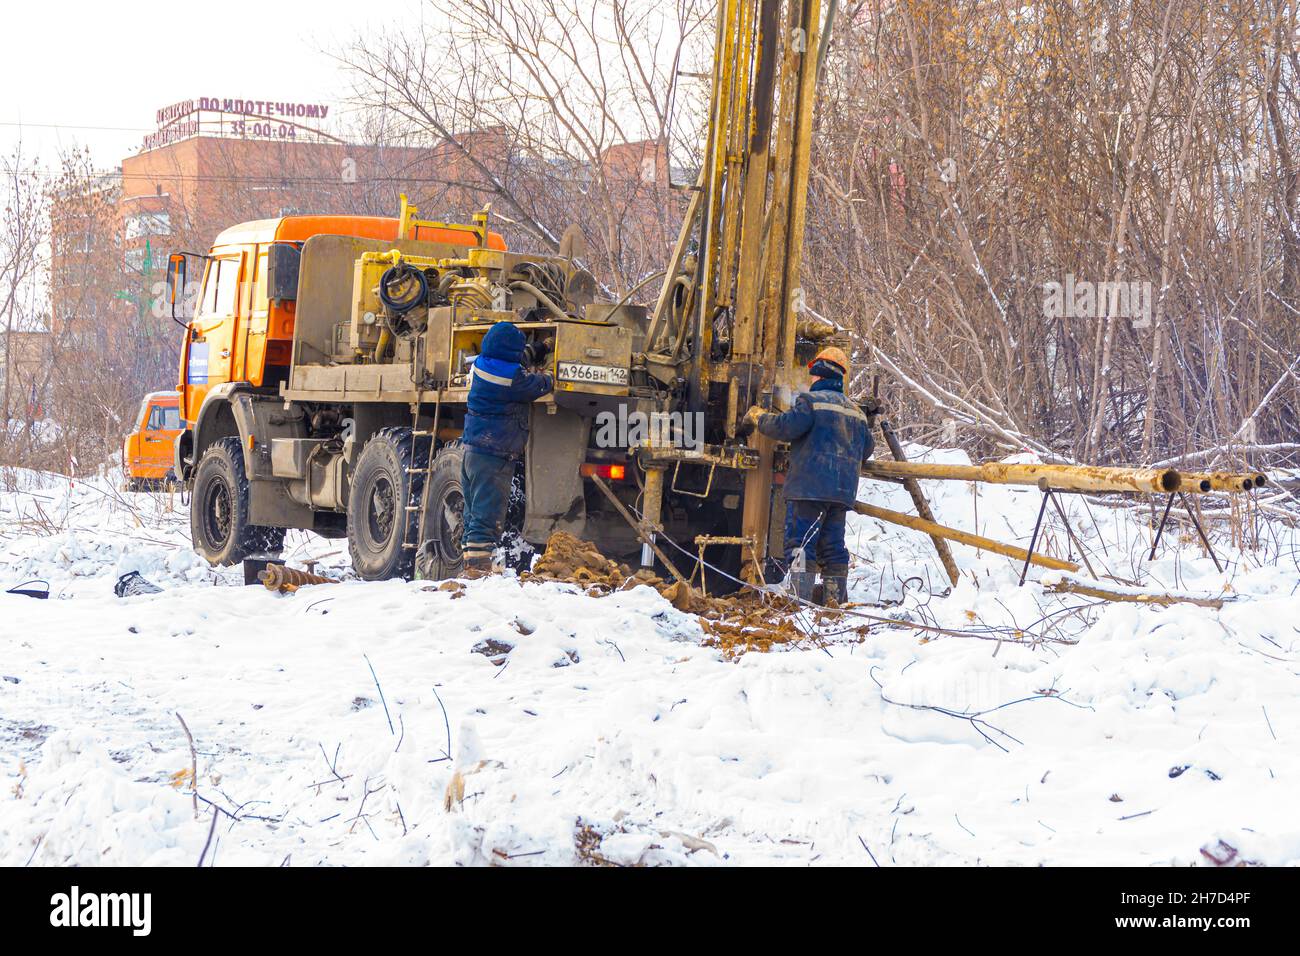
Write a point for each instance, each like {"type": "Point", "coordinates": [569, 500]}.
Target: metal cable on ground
{"type": "Point", "coordinates": [766, 590]}
{"type": "Point", "coordinates": [989, 633]}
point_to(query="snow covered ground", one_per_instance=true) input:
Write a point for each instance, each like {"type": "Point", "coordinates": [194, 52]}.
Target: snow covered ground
{"type": "Point", "coordinates": [1043, 729]}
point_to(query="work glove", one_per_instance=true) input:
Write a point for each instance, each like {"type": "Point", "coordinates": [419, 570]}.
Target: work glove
{"type": "Point", "coordinates": [750, 421]}
{"type": "Point", "coordinates": [535, 353]}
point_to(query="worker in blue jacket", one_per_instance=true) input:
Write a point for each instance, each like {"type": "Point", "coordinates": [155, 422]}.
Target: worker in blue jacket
{"type": "Point", "coordinates": [496, 431]}
{"type": "Point", "coordinates": [830, 440]}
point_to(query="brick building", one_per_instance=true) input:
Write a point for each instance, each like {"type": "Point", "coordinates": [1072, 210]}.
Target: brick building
{"type": "Point", "coordinates": [214, 162]}
{"type": "Point", "coordinates": [205, 169]}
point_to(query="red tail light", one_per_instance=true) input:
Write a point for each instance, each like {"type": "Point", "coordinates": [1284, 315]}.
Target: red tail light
{"type": "Point", "coordinates": [611, 472]}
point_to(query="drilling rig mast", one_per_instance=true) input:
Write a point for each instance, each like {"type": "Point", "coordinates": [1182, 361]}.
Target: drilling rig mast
{"type": "Point", "coordinates": [731, 296]}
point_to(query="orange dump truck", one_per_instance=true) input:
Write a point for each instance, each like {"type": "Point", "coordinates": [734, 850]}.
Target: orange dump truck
{"type": "Point", "coordinates": [148, 452]}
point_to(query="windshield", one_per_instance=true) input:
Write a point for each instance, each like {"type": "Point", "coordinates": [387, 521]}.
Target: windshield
{"type": "Point", "coordinates": [165, 418]}
{"type": "Point", "coordinates": [219, 288]}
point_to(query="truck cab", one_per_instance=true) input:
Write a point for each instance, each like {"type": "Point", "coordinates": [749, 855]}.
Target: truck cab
{"type": "Point", "coordinates": [243, 324]}
{"type": "Point", "coordinates": [147, 452]}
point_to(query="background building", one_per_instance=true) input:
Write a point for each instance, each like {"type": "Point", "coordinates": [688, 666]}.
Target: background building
{"type": "Point", "coordinates": [214, 162]}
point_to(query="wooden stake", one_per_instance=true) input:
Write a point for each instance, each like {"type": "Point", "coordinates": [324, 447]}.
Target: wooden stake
{"type": "Point", "coordinates": [1070, 586]}
{"type": "Point", "coordinates": [919, 501]}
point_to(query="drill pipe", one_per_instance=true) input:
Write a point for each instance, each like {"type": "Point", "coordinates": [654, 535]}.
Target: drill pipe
{"type": "Point", "coordinates": [278, 577]}
{"type": "Point", "coordinates": [1149, 481]}
{"type": "Point", "coordinates": [1221, 481]}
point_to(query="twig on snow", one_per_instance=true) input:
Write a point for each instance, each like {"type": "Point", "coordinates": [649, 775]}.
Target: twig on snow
{"type": "Point", "coordinates": [211, 830]}
{"type": "Point", "coordinates": [446, 723]}
{"type": "Point", "coordinates": [1134, 816]}
{"type": "Point", "coordinates": [320, 783]}
{"type": "Point", "coordinates": [360, 810]}
{"type": "Point", "coordinates": [334, 764]}
{"type": "Point", "coordinates": [974, 717]}
{"type": "Point", "coordinates": [381, 695]}
{"type": "Point", "coordinates": [868, 849]}
{"type": "Point", "coordinates": [194, 765]}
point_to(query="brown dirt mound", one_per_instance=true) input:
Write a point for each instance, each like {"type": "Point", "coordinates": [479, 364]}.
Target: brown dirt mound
{"type": "Point", "coordinates": [740, 622]}
{"type": "Point", "coordinates": [571, 559]}
{"type": "Point", "coordinates": [567, 558]}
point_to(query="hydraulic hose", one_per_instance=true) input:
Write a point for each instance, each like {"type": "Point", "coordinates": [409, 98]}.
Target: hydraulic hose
{"type": "Point", "coordinates": [541, 297]}
{"type": "Point", "coordinates": [400, 305]}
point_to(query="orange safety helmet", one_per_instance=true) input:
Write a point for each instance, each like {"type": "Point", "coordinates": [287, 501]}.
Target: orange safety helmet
{"type": "Point", "coordinates": [835, 356]}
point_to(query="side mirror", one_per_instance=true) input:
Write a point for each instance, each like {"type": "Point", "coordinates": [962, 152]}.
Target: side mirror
{"type": "Point", "coordinates": [175, 279]}
{"type": "Point", "coordinates": [282, 261]}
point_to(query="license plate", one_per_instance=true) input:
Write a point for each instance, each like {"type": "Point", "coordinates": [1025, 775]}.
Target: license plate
{"type": "Point", "coordinates": [595, 374]}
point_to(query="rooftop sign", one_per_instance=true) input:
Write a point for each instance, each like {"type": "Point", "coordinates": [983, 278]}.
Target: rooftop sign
{"type": "Point", "coordinates": [230, 117]}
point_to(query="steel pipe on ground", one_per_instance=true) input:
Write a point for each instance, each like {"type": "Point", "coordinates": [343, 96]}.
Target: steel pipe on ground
{"type": "Point", "coordinates": [1224, 481]}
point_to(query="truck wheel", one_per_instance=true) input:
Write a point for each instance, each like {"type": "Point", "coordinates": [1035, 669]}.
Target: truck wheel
{"type": "Point", "coordinates": [219, 526]}
{"type": "Point", "coordinates": [444, 521]}
{"type": "Point", "coordinates": [388, 477]}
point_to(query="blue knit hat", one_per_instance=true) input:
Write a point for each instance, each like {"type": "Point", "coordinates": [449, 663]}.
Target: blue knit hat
{"type": "Point", "coordinates": [504, 342]}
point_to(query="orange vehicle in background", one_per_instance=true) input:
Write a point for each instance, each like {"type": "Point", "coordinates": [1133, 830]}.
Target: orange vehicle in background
{"type": "Point", "coordinates": [148, 452]}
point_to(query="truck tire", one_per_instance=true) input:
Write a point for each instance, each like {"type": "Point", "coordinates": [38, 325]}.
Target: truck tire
{"type": "Point", "coordinates": [389, 475]}
{"type": "Point", "coordinates": [444, 521]}
{"type": "Point", "coordinates": [219, 526]}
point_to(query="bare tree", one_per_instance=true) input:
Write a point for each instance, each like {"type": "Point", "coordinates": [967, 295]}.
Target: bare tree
{"type": "Point", "coordinates": [23, 239]}
{"type": "Point", "coordinates": [559, 111]}
{"type": "Point", "coordinates": [971, 156]}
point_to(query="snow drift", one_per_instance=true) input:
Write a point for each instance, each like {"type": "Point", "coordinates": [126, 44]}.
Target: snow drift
{"type": "Point", "coordinates": [513, 723]}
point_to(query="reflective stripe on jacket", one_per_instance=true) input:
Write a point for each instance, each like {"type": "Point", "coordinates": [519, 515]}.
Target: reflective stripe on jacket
{"type": "Point", "coordinates": [500, 392]}
{"type": "Point", "coordinates": [830, 439]}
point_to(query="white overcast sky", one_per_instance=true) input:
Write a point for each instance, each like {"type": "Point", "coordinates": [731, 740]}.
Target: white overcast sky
{"type": "Point", "coordinates": [65, 67]}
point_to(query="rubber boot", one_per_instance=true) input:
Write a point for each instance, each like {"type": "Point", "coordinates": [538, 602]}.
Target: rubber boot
{"type": "Point", "coordinates": [835, 585]}
{"type": "Point", "coordinates": [801, 580]}
{"type": "Point", "coordinates": [477, 561]}
{"type": "Point", "coordinates": [801, 584]}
